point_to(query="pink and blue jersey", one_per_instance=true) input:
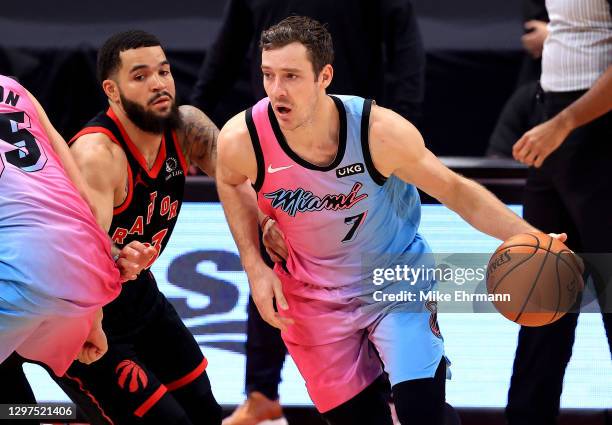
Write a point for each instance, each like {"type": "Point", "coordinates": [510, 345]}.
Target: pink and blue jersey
{"type": "Point", "coordinates": [334, 217]}
{"type": "Point", "coordinates": [341, 222]}
{"type": "Point", "coordinates": [51, 240]}
{"type": "Point", "coordinates": [54, 258]}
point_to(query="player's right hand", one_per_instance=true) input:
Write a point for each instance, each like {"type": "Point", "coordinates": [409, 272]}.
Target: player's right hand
{"type": "Point", "coordinates": [266, 288]}
{"type": "Point", "coordinates": [96, 344]}
{"type": "Point", "coordinates": [134, 257]}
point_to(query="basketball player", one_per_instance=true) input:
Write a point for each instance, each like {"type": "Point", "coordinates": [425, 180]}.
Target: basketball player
{"type": "Point", "coordinates": [134, 156]}
{"type": "Point", "coordinates": [339, 175]}
{"type": "Point", "coordinates": [56, 267]}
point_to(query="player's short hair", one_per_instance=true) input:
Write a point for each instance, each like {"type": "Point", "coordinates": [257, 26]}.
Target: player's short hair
{"type": "Point", "coordinates": [108, 55]}
{"type": "Point", "coordinates": [307, 31]}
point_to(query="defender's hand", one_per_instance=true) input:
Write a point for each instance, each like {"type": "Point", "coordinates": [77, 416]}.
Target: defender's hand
{"type": "Point", "coordinates": [274, 241]}
{"type": "Point", "coordinates": [134, 257]}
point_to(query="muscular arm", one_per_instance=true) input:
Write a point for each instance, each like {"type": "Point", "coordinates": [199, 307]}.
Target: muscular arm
{"type": "Point", "coordinates": [236, 168]}
{"type": "Point", "coordinates": [398, 148]}
{"type": "Point", "coordinates": [235, 163]}
{"type": "Point", "coordinates": [104, 168]}
{"type": "Point", "coordinates": [198, 139]}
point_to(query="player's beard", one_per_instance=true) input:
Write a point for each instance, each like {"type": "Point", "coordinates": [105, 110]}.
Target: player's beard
{"type": "Point", "coordinates": [149, 121]}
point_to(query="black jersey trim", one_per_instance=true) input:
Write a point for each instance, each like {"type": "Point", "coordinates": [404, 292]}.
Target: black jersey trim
{"type": "Point", "coordinates": [259, 158]}
{"type": "Point", "coordinates": [365, 144]}
{"type": "Point", "coordinates": [298, 159]}
{"type": "Point", "coordinates": [128, 198]}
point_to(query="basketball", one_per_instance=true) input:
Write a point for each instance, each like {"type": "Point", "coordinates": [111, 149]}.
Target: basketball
{"type": "Point", "coordinates": [534, 279]}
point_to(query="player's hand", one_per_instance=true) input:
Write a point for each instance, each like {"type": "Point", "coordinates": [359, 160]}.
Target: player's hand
{"type": "Point", "coordinates": [266, 288]}
{"type": "Point", "coordinates": [533, 41]}
{"type": "Point", "coordinates": [539, 142]}
{"type": "Point", "coordinates": [134, 257]}
{"type": "Point", "coordinates": [274, 241]}
{"type": "Point", "coordinates": [96, 345]}
{"type": "Point", "coordinates": [562, 237]}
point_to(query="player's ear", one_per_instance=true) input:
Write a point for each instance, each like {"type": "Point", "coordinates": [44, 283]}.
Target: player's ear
{"type": "Point", "coordinates": [111, 90]}
{"type": "Point", "coordinates": [326, 75]}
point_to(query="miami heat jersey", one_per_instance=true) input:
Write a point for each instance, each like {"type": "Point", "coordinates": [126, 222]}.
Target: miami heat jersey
{"type": "Point", "coordinates": [334, 217]}
{"type": "Point", "coordinates": [154, 196]}
{"type": "Point", "coordinates": [52, 247]}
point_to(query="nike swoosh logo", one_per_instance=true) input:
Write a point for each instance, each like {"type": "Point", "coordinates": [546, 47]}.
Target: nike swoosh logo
{"type": "Point", "coordinates": [276, 170]}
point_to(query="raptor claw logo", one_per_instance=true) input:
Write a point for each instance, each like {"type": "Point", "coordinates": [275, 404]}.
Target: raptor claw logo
{"type": "Point", "coordinates": [132, 376]}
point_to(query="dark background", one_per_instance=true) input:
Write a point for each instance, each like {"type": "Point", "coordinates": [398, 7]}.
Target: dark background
{"type": "Point", "coordinates": [473, 56]}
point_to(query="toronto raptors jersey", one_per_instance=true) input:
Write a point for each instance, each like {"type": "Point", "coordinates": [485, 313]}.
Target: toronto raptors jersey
{"type": "Point", "coordinates": [154, 196]}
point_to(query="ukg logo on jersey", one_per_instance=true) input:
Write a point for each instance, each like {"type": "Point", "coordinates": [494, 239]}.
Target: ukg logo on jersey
{"type": "Point", "coordinates": [350, 170]}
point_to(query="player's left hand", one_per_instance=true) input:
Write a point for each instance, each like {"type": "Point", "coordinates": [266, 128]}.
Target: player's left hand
{"type": "Point", "coordinates": [96, 344]}
{"type": "Point", "coordinates": [562, 237]}
{"type": "Point", "coordinates": [134, 257]}
{"type": "Point", "coordinates": [539, 142]}
{"type": "Point", "coordinates": [274, 241]}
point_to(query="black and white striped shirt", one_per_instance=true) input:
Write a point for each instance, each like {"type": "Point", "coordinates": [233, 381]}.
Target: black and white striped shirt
{"type": "Point", "coordinates": [579, 45]}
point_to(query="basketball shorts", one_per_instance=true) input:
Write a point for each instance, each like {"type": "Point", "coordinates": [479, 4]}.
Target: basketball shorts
{"type": "Point", "coordinates": [342, 344]}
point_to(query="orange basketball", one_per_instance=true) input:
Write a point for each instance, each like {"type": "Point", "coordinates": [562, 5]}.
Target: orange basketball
{"type": "Point", "coordinates": [535, 278]}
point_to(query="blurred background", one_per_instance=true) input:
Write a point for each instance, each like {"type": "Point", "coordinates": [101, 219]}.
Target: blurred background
{"type": "Point", "coordinates": [473, 52]}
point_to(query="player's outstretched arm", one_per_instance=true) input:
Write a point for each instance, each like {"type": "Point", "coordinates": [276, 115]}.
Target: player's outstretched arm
{"type": "Point", "coordinates": [236, 168]}
{"type": "Point", "coordinates": [104, 168]}
{"type": "Point", "coordinates": [198, 139]}
{"type": "Point", "coordinates": [398, 148]}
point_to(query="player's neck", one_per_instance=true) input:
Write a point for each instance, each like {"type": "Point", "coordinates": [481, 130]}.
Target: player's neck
{"type": "Point", "coordinates": [317, 140]}
{"type": "Point", "coordinates": [147, 143]}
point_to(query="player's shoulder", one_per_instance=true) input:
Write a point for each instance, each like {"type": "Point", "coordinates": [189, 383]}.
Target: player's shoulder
{"type": "Point", "coordinates": [381, 116]}
{"type": "Point", "coordinates": [235, 130]}
{"type": "Point", "coordinates": [98, 149]}
{"type": "Point", "coordinates": [190, 114]}
{"type": "Point", "coordinates": [385, 122]}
